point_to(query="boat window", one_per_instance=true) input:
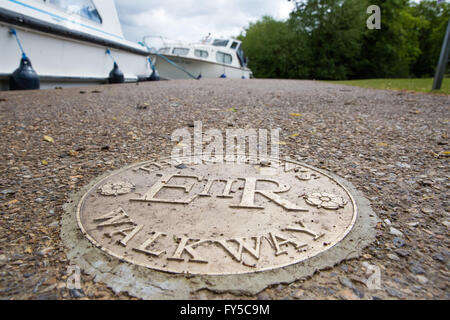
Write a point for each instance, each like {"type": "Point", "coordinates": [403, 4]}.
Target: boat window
{"type": "Point", "coordinates": [164, 50]}
{"type": "Point", "coordinates": [201, 53]}
{"type": "Point", "coordinates": [234, 45]}
{"type": "Point", "coordinates": [223, 57]}
{"type": "Point", "coordinates": [220, 43]}
{"type": "Point", "coordinates": [180, 51]}
{"type": "Point", "coordinates": [84, 8]}
{"type": "Point", "coordinates": [241, 57]}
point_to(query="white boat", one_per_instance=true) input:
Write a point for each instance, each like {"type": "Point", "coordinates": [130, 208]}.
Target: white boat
{"type": "Point", "coordinates": [69, 42]}
{"type": "Point", "coordinates": [210, 58]}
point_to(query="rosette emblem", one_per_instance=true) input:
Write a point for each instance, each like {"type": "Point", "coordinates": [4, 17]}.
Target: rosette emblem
{"type": "Point", "coordinates": [116, 188]}
{"type": "Point", "coordinates": [325, 200]}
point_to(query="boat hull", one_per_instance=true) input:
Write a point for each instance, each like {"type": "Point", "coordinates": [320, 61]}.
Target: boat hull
{"type": "Point", "coordinates": [168, 71]}
{"type": "Point", "coordinates": [63, 61]}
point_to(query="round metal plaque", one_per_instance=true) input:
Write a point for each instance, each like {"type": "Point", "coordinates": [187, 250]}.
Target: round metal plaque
{"type": "Point", "coordinates": [212, 218]}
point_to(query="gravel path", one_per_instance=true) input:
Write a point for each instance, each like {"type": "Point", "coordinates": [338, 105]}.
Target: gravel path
{"type": "Point", "coordinates": [393, 146]}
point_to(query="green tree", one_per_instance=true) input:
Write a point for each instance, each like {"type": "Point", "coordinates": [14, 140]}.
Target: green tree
{"type": "Point", "coordinates": [329, 39]}
{"type": "Point", "coordinates": [434, 19]}
{"type": "Point", "coordinates": [274, 50]}
{"type": "Point", "coordinates": [391, 51]}
{"type": "Point", "coordinates": [334, 30]}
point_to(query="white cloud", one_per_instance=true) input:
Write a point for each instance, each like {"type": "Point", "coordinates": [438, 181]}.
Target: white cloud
{"type": "Point", "coordinates": [191, 20]}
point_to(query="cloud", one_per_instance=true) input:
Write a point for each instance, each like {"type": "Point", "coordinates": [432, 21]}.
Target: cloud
{"type": "Point", "coordinates": [192, 20]}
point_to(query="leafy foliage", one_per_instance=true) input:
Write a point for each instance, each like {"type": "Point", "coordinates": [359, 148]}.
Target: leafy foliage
{"type": "Point", "coordinates": [267, 39]}
{"type": "Point", "coordinates": [329, 39]}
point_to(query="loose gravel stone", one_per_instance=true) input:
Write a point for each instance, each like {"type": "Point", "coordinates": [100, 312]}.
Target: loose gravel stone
{"type": "Point", "coordinates": [393, 257]}
{"type": "Point", "coordinates": [75, 293]}
{"type": "Point", "coordinates": [395, 232]}
{"type": "Point", "coordinates": [358, 293]}
{"type": "Point", "coordinates": [427, 210]}
{"type": "Point", "coordinates": [422, 279]}
{"type": "Point", "coordinates": [402, 253]}
{"type": "Point", "coordinates": [346, 282]}
{"type": "Point", "coordinates": [438, 257]}
{"type": "Point", "coordinates": [398, 242]}
{"type": "Point", "coordinates": [347, 294]}
{"type": "Point", "coordinates": [54, 224]}
{"type": "Point", "coordinates": [416, 268]}
{"type": "Point", "coordinates": [8, 191]}
{"type": "Point", "coordinates": [394, 293]}
{"type": "Point", "coordinates": [263, 296]}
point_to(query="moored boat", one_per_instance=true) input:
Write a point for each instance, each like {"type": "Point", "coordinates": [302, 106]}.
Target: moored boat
{"type": "Point", "coordinates": [69, 43]}
{"type": "Point", "coordinates": [210, 58]}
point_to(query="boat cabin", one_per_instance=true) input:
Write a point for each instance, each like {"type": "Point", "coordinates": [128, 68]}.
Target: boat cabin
{"type": "Point", "coordinates": [220, 51]}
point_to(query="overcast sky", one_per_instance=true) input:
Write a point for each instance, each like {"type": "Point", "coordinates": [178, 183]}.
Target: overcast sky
{"type": "Point", "coordinates": [191, 20]}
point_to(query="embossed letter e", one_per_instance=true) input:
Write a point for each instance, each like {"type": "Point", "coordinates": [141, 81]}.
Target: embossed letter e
{"type": "Point", "coordinates": [150, 196]}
